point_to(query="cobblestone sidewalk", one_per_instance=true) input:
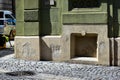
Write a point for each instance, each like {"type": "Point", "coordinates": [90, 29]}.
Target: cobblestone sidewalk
{"type": "Point", "coordinates": [46, 70]}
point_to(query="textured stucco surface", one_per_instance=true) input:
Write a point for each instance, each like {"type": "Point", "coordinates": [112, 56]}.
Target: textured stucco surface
{"type": "Point", "coordinates": [102, 40]}
{"type": "Point", "coordinates": [27, 48]}
{"type": "Point", "coordinates": [51, 48]}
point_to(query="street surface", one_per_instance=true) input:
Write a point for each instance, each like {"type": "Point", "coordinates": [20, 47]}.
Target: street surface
{"type": "Point", "coordinates": [16, 69]}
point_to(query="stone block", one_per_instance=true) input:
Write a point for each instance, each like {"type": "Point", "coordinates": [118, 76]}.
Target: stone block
{"type": "Point", "coordinates": [20, 10]}
{"type": "Point", "coordinates": [20, 28]}
{"type": "Point", "coordinates": [97, 36]}
{"type": "Point", "coordinates": [31, 15]}
{"type": "Point", "coordinates": [116, 55]}
{"type": "Point", "coordinates": [31, 28]}
{"type": "Point", "coordinates": [51, 48]}
{"type": "Point", "coordinates": [27, 47]}
{"type": "Point", "coordinates": [31, 4]}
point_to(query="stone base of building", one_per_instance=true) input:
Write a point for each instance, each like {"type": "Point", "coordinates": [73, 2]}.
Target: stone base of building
{"type": "Point", "coordinates": [51, 48]}
{"type": "Point", "coordinates": [116, 55]}
{"type": "Point", "coordinates": [78, 43]}
{"type": "Point", "coordinates": [27, 47]}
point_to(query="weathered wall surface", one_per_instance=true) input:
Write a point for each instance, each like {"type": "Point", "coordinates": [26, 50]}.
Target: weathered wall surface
{"type": "Point", "coordinates": [50, 17]}
{"type": "Point", "coordinates": [37, 18]}
{"type": "Point", "coordinates": [83, 21]}
{"type": "Point", "coordinates": [27, 40]}
{"type": "Point", "coordinates": [59, 25]}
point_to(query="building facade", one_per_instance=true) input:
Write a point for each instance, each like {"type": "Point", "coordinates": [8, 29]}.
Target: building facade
{"type": "Point", "coordinates": [7, 5]}
{"type": "Point", "coordinates": [83, 31]}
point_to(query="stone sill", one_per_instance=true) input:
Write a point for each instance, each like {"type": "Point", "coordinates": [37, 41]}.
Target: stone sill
{"type": "Point", "coordinates": [85, 59]}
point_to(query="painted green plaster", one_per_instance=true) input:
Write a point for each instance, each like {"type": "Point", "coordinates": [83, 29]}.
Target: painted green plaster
{"type": "Point", "coordinates": [41, 19]}
{"type": "Point", "coordinates": [31, 29]}
{"type": "Point", "coordinates": [20, 17]}
{"type": "Point", "coordinates": [20, 28]}
{"type": "Point", "coordinates": [95, 17]}
{"type": "Point", "coordinates": [51, 18]}
{"type": "Point", "coordinates": [31, 15]}
{"type": "Point", "coordinates": [85, 15]}
{"type": "Point", "coordinates": [56, 30]}
{"type": "Point", "coordinates": [20, 10]}
{"type": "Point", "coordinates": [54, 14]}
{"type": "Point", "coordinates": [64, 5]}
{"type": "Point", "coordinates": [58, 3]}
{"type": "Point", "coordinates": [31, 4]}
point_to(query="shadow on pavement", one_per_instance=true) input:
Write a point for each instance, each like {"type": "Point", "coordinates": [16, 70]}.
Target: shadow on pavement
{"type": "Point", "coordinates": [5, 52]}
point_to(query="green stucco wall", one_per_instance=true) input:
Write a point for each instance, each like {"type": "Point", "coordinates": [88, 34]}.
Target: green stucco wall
{"type": "Point", "coordinates": [51, 18]}
{"type": "Point", "coordinates": [20, 17]}
{"type": "Point", "coordinates": [85, 15]}
{"type": "Point", "coordinates": [35, 17]}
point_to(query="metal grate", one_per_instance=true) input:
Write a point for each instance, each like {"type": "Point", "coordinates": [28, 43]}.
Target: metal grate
{"type": "Point", "coordinates": [83, 4]}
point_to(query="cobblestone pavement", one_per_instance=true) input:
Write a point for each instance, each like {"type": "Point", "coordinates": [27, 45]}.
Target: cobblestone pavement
{"type": "Point", "coordinates": [47, 70]}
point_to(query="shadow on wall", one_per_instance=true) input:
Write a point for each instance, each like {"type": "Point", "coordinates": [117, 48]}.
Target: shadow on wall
{"type": "Point", "coordinates": [45, 18]}
{"type": "Point", "coordinates": [116, 53]}
{"type": "Point", "coordinates": [116, 7]}
{"type": "Point", "coordinates": [46, 52]}
{"type": "Point", "coordinates": [45, 29]}
{"type": "Point", "coordinates": [113, 21]}
{"type": "Point", "coordinates": [113, 29]}
{"type": "Point", "coordinates": [116, 26]}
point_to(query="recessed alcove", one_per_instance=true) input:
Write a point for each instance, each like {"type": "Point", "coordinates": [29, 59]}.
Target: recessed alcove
{"type": "Point", "coordinates": [83, 4]}
{"type": "Point", "coordinates": [83, 46]}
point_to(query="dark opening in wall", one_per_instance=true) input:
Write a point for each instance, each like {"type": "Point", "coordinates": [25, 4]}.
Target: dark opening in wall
{"type": "Point", "coordinates": [21, 73]}
{"type": "Point", "coordinates": [83, 4]}
{"type": "Point", "coordinates": [83, 46]}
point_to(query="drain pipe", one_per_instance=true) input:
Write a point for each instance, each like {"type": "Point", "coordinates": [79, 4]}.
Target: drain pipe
{"type": "Point", "coordinates": [113, 52]}
{"type": "Point", "coordinates": [110, 32]}
{"type": "Point", "coordinates": [115, 25]}
{"type": "Point", "coordinates": [112, 21]}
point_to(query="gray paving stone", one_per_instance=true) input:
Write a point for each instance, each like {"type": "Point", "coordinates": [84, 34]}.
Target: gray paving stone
{"type": "Point", "coordinates": [47, 70]}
